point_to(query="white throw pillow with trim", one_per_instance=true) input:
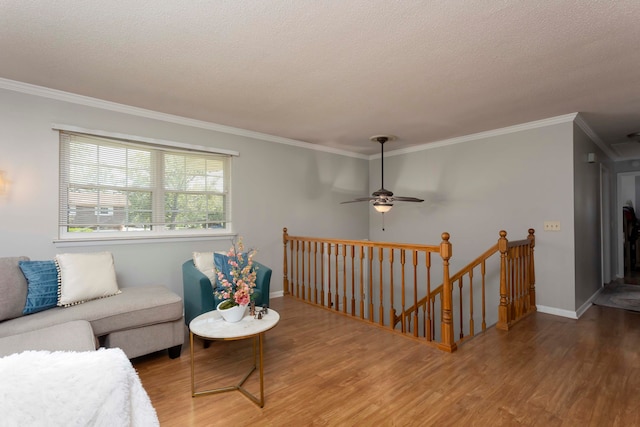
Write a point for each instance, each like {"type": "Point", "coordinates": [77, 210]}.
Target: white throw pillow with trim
{"type": "Point", "coordinates": [204, 262]}
{"type": "Point", "coordinates": [85, 276]}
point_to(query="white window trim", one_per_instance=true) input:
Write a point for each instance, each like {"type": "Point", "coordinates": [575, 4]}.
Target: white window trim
{"type": "Point", "coordinates": [72, 243]}
{"type": "Point", "coordinates": [67, 239]}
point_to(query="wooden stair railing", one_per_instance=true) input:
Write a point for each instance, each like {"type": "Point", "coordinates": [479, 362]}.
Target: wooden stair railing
{"type": "Point", "coordinates": [369, 281]}
{"type": "Point", "coordinates": [517, 280]}
{"type": "Point", "coordinates": [458, 279]}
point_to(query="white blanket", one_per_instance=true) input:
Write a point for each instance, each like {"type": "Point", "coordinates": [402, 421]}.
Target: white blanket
{"type": "Point", "coordinates": [92, 388]}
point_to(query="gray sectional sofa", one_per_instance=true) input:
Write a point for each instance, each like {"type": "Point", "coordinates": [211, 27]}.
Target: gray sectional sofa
{"type": "Point", "coordinates": [139, 320]}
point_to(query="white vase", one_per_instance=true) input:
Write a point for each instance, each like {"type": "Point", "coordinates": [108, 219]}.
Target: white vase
{"type": "Point", "coordinates": [233, 314]}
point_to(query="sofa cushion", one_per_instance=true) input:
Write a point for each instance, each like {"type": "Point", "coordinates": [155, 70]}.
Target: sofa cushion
{"type": "Point", "coordinates": [13, 288]}
{"type": "Point", "coordinates": [134, 307]}
{"type": "Point", "coordinates": [42, 285]}
{"type": "Point", "coordinates": [68, 336]}
{"type": "Point", "coordinates": [85, 276]}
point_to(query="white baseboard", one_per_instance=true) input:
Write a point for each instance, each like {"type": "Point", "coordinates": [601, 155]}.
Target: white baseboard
{"type": "Point", "coordinates": [589, 302]}
{"type": "Point", "coordinates": [557, 311]}
{"type": "Point", "coordinates": [568, 313]}
{"type": "Point", "coordinates": [276, 294]}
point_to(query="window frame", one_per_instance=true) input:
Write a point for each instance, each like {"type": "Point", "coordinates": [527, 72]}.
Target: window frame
{"type": "Point", "coordinates": [158, 189]}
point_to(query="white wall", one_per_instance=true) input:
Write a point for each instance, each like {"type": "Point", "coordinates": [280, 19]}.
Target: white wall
{"type": "Point", "coordinates": [274, 186]}
{"type": "Point", "coordinates": [473, 190]}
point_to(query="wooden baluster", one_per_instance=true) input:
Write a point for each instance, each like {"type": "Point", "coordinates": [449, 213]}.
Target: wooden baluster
{"type": "Point", "coordinates": [298, 268]}
{"type": "Point", "coordinates": [525, 279]}
{"type": "Point", "coordinates": [322, 245]}
{"type": "Point", "coordinates": [285, 272]}
{"type": "Point", "coordinates": [392, 311]}
{"type": "Point", "coordinates": [353, 281]}
{"type": "Point", "coordinates": [429, 325]}
{"type": "Point", "coordinates": [510, 283]}
{"type": "Point", "coordinates": [446, 340]}
{"type": "Point", "coordinates": [304, 246]}
{"type": "Point", "coordinates": [291, 253]}
{"type": "Point", "coordinates": [484, 301]}
{"type": "Point", "coordinates": [532, 270]}
{"type": "Point", "coordinates": [461, 314]}
{"type": "Point", "coordinates": [329, 296]}
{"type": "Point", "coordinates": [403, 292]}
{"type": "Point", "coordinates": [471, 324]}
{"type": "Point", "coordinates": [513, 283]}
{"type": "Point", "coordinates": [381, 290]}
{"type": "Point", "coordinates": [362, 282]}
{"type": "Point", "coordinates": [503, 308]}
{"type": "Point", "coordinates": [344, 278]}
{"type": "Point", "coordinates": [513, 259]}
{"type": "Point", "coordinates": [414, 258]}
{"type": "Point", "coordinates": [315, 272]}
{"type": "Point", "coordinates": [433, 311]}
{"type": "Point", "coordinates": [370, 253]}
{"type": "Point", "coordinates": [309, 293]}
{"type": "Point", "coordinates": [521, 287]}
{"type": "Point", "coordinates": [337, 293]}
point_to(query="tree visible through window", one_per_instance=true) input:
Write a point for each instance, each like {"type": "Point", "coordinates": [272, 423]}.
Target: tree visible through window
{"type": "Point", "coordinates": [123, 187]}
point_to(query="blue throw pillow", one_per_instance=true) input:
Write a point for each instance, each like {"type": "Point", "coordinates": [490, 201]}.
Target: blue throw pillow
{"type": "Point", "coordinates": [42, 281]}
{"type": "Point", "coordinates": [220, 261]}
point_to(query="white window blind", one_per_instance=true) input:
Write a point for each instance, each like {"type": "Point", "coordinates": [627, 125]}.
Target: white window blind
{"type": "Point", "coordinates": [127, 188]}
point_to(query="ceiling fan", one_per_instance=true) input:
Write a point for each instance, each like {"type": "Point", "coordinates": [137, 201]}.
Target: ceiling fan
{"type": "Point", "coordinates": [383, 199]}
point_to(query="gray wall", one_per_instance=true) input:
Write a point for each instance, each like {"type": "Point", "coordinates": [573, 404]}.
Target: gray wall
{"type": "Point", "coordinates": [473, 190]}
{"type": "Point", "coordinates": [587, 205]}
{"type": "Point", "coordinates": [274, 186]}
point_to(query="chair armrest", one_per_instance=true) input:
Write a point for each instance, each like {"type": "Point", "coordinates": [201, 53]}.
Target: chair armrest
{"type": "Point", "coordinates": [198, 292]}
{"type": "Point", "coordinates": [263, 282]}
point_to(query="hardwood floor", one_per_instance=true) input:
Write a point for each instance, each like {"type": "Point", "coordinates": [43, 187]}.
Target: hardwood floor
{"type": "Point", "coordinates": [322, 369]}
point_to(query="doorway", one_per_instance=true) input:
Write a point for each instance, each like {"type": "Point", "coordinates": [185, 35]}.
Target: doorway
{"type": "Point", "coordinates": [628, 227]}
{"type": "Point", "coordinates": [606, 226]}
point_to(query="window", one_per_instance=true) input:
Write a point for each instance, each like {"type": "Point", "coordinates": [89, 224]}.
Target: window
{"type": "Point", "coordinates": [122, 188]}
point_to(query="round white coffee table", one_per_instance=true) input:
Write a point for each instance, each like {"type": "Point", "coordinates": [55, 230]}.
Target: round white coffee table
{"type": "Point", "coordinates": [211, 326]}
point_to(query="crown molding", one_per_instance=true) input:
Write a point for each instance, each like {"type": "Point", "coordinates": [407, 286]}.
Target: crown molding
{"type": "Point", "coordinates": [169, 118]}
{"type": "Point", "coordinates": [582, 124]}
{"type": "Point", "coordinates": [480, 135]}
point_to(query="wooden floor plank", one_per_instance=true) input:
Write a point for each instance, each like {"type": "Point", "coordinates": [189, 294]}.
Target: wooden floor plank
{"type": "Point", "coordinates": [323, 369]}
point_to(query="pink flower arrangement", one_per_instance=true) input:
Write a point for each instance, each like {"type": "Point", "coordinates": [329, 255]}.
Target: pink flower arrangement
{"type": "Point", "coordinates": [238, 289]}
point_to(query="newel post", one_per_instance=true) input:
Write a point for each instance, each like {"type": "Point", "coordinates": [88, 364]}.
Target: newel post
{"type": "Point", "coordinates": [285, 272]}
{"type": "Point", "coordinates": [503, 308]}
{"type": "Point", "coordinates": [447, 342]}
{"type": "Point", "coordinates": [532, 270]}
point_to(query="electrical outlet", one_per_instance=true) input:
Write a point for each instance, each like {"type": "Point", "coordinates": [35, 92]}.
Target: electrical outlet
{"type": "Point", "coordinates": [552, 226]}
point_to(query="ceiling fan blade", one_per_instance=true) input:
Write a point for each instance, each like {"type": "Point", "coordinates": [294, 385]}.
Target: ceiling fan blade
{"type": "Point", "coordinates": [359, 199]}
{"type": "Point", "coordinates": [383, 199]}
{"type": "Point", "coordinates": [406, 199]}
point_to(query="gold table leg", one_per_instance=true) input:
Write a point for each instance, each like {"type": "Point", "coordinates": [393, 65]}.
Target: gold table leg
{"type": "Point", "coordinates": [254, 399]}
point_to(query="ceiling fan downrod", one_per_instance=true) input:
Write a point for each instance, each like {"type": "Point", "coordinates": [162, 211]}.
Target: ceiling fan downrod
{"type": "Point", "coordinates": [382, 139]}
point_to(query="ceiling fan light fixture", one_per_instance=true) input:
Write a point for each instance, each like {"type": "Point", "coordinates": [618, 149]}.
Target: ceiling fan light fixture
{"type": "Point", "coordinates": [382, 199]}
{"type": "Point", "coordinates": [382, 207]}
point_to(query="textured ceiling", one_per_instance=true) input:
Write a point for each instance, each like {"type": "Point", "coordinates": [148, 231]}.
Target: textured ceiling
{"type": "Point", "coordinates": [336, 72]}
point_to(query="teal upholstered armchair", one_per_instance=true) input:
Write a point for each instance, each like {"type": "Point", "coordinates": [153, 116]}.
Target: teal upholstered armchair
{"type": "Point", "coordinates": [198, 292]}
